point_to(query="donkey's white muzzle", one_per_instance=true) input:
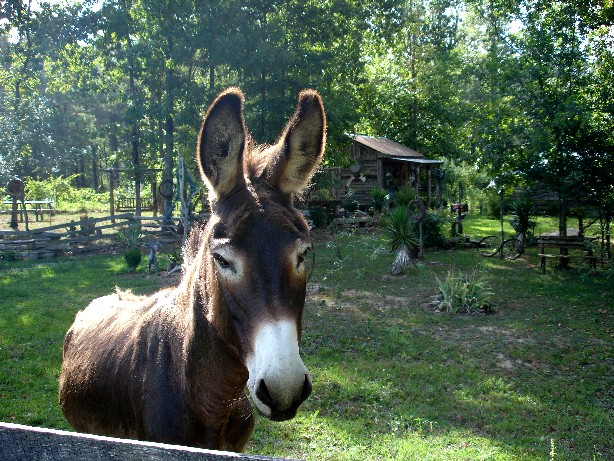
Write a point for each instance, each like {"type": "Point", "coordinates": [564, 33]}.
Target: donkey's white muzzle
{"type": "Point", "coordinates": [278, 380]}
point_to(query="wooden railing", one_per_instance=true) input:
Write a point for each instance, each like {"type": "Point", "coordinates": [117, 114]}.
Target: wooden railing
{"type": "Point", "coordinates": [24, 443]}
{"type": "Point", "coordinates": [89, 234]}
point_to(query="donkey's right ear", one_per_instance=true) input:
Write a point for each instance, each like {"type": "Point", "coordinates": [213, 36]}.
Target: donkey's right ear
{"type": "Point", "coordinates": [220, 145]}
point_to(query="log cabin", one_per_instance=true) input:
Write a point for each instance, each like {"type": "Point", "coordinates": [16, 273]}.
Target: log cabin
{"type": "Point", "coordinates": [386, 164]}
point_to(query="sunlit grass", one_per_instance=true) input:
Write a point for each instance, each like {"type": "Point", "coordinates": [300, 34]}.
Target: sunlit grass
{"type": "Point", "coordinates": [391, 379]}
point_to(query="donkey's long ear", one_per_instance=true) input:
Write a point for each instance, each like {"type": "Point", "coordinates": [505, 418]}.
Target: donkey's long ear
{"type": "Point", "coordinates": [221, 141]}
{"type": "Point", "coordinates": [302, 145]}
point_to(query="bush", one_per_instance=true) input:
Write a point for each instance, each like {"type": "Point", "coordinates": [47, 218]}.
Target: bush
{"type": "Point", "coordinates": [434, 228]}
{"type": "Point", "coordinates": [130, 235]}
{"type": "Point", "coordinates": [319, 217]}
{"type": "Point", "coordinates": [65, 196]}
{"type": "Point", "coordinates": [459, 293]}
{"type": "Point", "coordinates": [133, 258]}
{"type": "Point", "coordinates": [9, 255]}
{"type": "Point", "coordinates": [399, 229]}
{"type": "Point", "coordinates": [403, 196]}
{"type": "Point", "coordinates": [379, 197]}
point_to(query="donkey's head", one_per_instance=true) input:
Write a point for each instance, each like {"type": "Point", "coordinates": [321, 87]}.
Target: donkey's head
{"type": "Point", "coordinates": [256, 243]}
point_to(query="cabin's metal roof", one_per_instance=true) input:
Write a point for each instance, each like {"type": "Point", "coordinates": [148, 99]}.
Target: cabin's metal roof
{"type": "Point", "coordinates": [419, 161]}
{"type": "Point", "coordinates": [387, 147]}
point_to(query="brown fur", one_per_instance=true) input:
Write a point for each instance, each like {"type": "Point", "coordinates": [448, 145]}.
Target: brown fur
{"type": "Point", "coordinates": [171, 367]}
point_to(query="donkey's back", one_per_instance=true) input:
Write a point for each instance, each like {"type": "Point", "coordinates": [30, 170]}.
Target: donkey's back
{"type": "Point", "coordinates": [116, 339]}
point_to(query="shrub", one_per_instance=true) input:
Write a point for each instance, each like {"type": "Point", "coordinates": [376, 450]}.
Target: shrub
{"type": "Point", "coordinates": [378, 196]}
{"type": "Point", "coordinates": [9, 255]}
{"type": "Point", "coordinates": [133, 258]}
{"type": "Point", "coordinates": [319, 217]}
{"type": "Point", "coordinates": [403, 196]}
{"type": "Point", "coordinates": [459, 293]}
{"type": "Point", "coordinates": [434, 228]}
{"type": "Point", "coordinates": [65, 196]}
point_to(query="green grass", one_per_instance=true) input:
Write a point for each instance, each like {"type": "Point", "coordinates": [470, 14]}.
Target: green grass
{"type": "Point", "coordinates": [392, 379]}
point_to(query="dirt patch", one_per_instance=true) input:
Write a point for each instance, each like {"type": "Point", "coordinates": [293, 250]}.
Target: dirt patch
{"type": "Point", "coordinates": [503, 334]}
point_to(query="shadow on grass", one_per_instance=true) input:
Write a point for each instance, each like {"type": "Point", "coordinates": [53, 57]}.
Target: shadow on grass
{"type": "Point", "coordinates": [394, 381]}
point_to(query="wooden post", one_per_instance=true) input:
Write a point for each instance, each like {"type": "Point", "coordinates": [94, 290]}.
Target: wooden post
{"type": "Point", "coordinates": [14, 223]}
{"type": "Point", "coordinates": [111, 192]}
{"type": "Point", "coordinates": [154, 196]}
{"type": "Point", "coordinates": [429, 193]}
{"type": "Point", "coordinates": [418, 173]}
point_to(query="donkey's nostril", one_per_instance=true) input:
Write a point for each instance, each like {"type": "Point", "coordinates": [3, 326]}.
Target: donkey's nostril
{"type": "Point", "coordinates": [306, 389]}
{"type": "Point", "coordinates": [262, 392]}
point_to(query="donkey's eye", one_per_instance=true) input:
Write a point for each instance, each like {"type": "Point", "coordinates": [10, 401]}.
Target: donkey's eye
{"type": "Point", "coordinates": [301, 258]}
{"type": "Point", "coordinates": [221, 261]}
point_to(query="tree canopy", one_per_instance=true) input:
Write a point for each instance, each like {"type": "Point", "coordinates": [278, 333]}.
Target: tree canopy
{"type": "Point", "coordinates": [522, 90]}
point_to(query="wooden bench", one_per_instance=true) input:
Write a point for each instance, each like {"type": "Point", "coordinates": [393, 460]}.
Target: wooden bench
{"type": "Point", "coordinates": [24, 443]}
{"type": "Point", "coordinates": [570, 243]}
{"type": "Point", "coordinates": [129, 204]}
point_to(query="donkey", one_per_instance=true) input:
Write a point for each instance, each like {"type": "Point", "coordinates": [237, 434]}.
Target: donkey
{"type": "Point", "coordinates": [178, 366]}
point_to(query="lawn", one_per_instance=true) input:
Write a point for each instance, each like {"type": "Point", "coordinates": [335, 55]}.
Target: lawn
{"type": "Point", "coordinates": [392, 379]}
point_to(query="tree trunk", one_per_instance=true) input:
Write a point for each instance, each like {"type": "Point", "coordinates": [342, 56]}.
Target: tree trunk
{"type": "Point", "coordinates": [95, 180]}
{"type": "Point", "coordinates": [134, 132]}
{"type": "Point", "coordinates": [169, 164]}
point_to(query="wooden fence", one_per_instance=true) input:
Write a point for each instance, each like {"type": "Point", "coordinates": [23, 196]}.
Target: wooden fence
{"type": "Point", "coordinates": [24, 443]}
{"type": "Point", "coordinates": [89, 234]}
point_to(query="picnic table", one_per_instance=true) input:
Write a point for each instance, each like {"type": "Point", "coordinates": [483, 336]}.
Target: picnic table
{"type": "Point", "coordinates": [39, 207]}
{"type": "Point", "coordinates": [573, 241]}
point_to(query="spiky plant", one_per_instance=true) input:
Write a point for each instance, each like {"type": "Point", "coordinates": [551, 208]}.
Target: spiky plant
{"type": "Point", "coordinates": [401, 239]}
{"type": "Point", "coordinates": [463, 293]}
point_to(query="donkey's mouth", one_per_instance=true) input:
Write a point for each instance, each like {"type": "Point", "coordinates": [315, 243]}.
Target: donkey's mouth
{"type": "Point", "coordinates": [266, 406]}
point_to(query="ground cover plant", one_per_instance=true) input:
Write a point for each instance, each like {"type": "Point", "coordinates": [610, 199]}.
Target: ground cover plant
{"type": "Point", "coordinates": [392, 378]}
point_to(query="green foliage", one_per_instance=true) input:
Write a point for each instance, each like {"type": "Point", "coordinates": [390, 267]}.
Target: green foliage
{"type": "Point", "coordinates": [522, 209]}
{"type": "Point", "coordinates": [403, 196]}
{"type": "Point", "coordinates": [65, 196]}
{"type": "Point", "coordinates": [9, 256]}
{"type": "Point", "coordinates": [435, 228]}
{"type": "Point", "coordinates": [319, 217]}
{"type": "Point", "coordinates": [58, 189]}
{"type": "Point", "coordinates": [463, 293]}
{"type": "Point", "coordinates": [378, 197]}
{"type": "Point", "coordinates": [130, 235]}
{"type": "Point", "coordinates": [475, 183]}
{"type": "Point", "coordinates": [133, 258]}
{"type": "Point", "coordinates": [400, 232]}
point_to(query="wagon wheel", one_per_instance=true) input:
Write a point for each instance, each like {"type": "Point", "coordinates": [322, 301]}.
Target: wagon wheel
{"type": "Point", "coordinates": [15, 187]}
{"type": "Point", "coordinates": [421, 206]}
{"type": "Point", "coordinates": [489, 246]}
{"type": "Point", "coordinates": [511, 248]}
{"type": "Point", "coordinates": [166, 188]}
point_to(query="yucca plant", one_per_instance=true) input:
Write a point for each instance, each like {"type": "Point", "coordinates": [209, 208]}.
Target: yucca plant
{"type": "Point", "coordinates": [401, 239]}
{"type": "Point", "coordinates": [461, 293]}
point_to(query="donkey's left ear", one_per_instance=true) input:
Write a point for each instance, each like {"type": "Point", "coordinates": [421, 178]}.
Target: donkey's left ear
{"type": "Point", "coordinates": [302, 145]}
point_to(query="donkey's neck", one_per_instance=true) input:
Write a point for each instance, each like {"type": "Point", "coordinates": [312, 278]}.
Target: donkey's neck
{"type": "Point", "coordinates": [215, 370]}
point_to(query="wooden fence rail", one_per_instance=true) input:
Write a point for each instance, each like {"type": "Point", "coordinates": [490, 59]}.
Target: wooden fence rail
{"type": "Point", "coordinates": [25, 443]}
{"type": "Point", "coordinates": [80, 236]}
